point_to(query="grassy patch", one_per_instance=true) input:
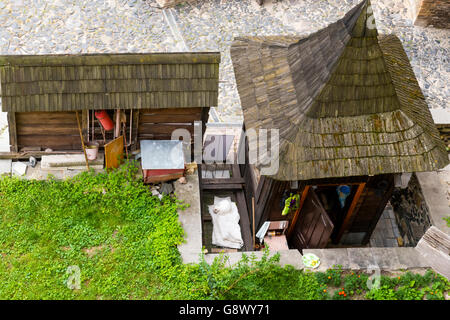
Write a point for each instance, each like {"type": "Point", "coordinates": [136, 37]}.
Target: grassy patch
{"type": "Point", "coordinates": [106, 224]}
{"type": "Point", "coordinates": [123, 242]}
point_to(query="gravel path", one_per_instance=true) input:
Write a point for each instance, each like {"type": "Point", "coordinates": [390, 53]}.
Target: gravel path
{"type": "Point", "coordinates": [74, 26]}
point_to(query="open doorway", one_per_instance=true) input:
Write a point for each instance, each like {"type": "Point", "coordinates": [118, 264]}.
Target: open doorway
{"type": "Point", "coordinates": [323, 214]}
{"type": "Point", "coordinates": [339, 213]}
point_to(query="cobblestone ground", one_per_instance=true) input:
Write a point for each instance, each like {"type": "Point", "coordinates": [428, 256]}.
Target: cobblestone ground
{"type": "Point", "coordinates": [74, 26]}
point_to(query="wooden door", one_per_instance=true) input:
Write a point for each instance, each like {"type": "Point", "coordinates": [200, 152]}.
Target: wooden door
{"type": "Point", "coordinates": [313, 227]}
{"type": "Point", "coordinates": [114, 153]}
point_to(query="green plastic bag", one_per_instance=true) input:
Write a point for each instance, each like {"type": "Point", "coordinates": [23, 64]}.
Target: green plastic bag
{"type": "Point", "coordinates": [291, 204]}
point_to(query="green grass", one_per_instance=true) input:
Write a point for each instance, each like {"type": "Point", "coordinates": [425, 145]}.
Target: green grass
{"type": "Point", "coordinates": [47, 226]}
{"type": "Point", "coordinates": [124, 242]}
{"type": "Point", "coordinates": [447, 219]}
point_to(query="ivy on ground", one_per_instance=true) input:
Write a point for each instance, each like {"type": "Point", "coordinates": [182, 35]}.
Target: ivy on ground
{"type": "Point", "coordinates": [124, 242]}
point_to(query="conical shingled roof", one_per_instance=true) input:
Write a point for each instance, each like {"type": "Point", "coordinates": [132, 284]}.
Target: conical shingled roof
{"type": "Point", "coordinates": [345, 100]}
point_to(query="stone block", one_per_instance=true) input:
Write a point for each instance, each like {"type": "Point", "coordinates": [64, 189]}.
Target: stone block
{"type": "Point", "coordinates": [5, 166]}
{"type": "Point", "coordinates": [386, 258]}
{"type": "Point", "coordinates": [360, 258]}
{"type": "Point", "coordinates": [409, 258]}
{"type": "Point", "coordinates": [190, 218]}
{"type": "Point", "coordinates": [287, 257]}
{"type": "Point", "coordinates": [19, 168]}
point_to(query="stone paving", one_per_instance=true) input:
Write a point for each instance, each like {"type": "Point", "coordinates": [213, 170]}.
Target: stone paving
{"type": "Point", "coordinates": [212, 25]}
{"type": "Point", "coordinates": [98, 26]}
{"type": "Point", "coordinates": [386, 232]}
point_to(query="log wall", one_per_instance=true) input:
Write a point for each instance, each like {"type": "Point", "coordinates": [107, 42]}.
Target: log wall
{"type": "Point", "coordinates": [59, 130]}
{"type": "Point", "coordinates": [158, 124]}
{"type": "Point", "coordinates": [54, 130]}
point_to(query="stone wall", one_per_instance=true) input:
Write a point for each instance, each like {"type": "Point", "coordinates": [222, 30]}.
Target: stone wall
{"type": "Point", "coordinates": [170, 3]}
{"type": "Point", "coordinates": [432, 13]}
{"type": "Point", "coordinates": [411, 212]}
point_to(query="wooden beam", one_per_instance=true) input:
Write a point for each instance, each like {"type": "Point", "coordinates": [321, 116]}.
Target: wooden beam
{"type": "Point", "coordinates": [135, 131]}
{"type": "Point", "coordinates": [204, 119]}
{"type": "Point", "coordinates": [297, 213]}
{"type": "Point", "coordinates": [36, 154]}
{"type": "Point", "coordinates": [12, 132]}
{"type": "Point", "coordinates": [263, 203]}
{"type": "Point", "coordinates": [236, 171]}
{"type": "Point", "coordinates": [244, 221]}
{"type": "Point", "coordinates": [117, 126]}
{"type": "Point", "coordinates": [84, 124]}
{"type": "Point", "coordinates": [223, 181]}
{"type": "Point", "coordinates": [223, 186]}
{"type": "Point", "coordinates": [253, 222]}
{"type": "Point", "coordinates": [350, 211]}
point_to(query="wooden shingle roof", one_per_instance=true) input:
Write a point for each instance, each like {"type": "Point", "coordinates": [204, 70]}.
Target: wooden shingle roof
{"type": "Point", "coordinates": [109, 81]}
{"type": "Point", "coordinates": [345, 101]}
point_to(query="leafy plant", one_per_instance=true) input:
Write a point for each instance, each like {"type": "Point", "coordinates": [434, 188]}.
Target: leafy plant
{"type": "Point", "coordinates": [331, 276]}
{"type": "Point", "coordinates": [124, 242]}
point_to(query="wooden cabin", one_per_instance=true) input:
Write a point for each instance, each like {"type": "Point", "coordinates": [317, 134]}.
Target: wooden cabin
{"type": "Point", "coordinates": [349, 111]}
{"type": "Point", "coordinates": [154, 94]}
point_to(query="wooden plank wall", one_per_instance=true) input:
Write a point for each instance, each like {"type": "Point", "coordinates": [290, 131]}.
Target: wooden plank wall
{"type": "Point", "coordinates": [59, 130]}
{"type": "Point", "coordinates": [266, 192]}
{"type": "Point", "coordinates": [158, 124]}
{"type": "Point", "coordinates": [55, 130]}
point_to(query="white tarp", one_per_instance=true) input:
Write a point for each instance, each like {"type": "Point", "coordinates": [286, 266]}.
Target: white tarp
{"type": "Point", "coordinates": [225, 219]}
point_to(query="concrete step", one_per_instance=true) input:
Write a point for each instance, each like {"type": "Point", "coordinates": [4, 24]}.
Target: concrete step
{"type": "Point", "coordinates": [69, 160]}
{"type": "Point", "coordinates": [389, 259]}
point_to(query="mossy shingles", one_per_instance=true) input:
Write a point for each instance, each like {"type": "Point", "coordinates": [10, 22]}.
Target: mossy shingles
{"type": "Point", "coordinates": [355, 109]}
{"type": "Point", "coordinates": [109, 81]}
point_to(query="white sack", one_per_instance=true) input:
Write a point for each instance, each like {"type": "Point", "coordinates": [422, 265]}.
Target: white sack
{"type": "Point", "coordinates": [225, 219]}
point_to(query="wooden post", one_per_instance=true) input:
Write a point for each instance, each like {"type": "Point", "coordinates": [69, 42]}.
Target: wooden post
{"type": "Point", "coordinates": [124, 131]}
{"type": "Point", "coordinates": [84, 124]}
{"type": "Point", "coordinates": [117, 128]}
{"type": "Point", "coordinates": [135, 133]}
{"type": "Point", "coordinates": [253, 222]}
{"type": "Point", "coordinates": [297, 213]}
{"type": "Point", "coordinates": [12, 131]}
{"type": "Point", "coordinates": [82, 140]}
{"type": "Point", "coordinates": [350, 211]}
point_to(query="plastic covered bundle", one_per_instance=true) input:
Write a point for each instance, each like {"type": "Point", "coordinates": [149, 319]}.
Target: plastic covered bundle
{"type": "Point", "coordinates": [225, 219]}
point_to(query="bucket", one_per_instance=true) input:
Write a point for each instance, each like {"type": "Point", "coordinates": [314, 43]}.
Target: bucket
{"type": "Point", "coordinates": [92, 150]}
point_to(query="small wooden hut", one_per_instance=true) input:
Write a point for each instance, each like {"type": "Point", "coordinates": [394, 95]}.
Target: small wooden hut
{"type": "Point", "coordinates": [155, 92]}
{"type": "Point", "coordinates": [349, 111]}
